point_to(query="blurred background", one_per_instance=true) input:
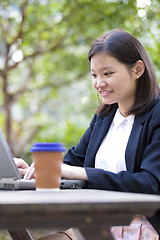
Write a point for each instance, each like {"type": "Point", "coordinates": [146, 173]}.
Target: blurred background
{"type": "Point", "coordinates": [46, 92]}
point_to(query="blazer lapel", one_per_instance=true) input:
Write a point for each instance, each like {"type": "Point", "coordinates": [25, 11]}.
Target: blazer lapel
{"type": "Point", "coordinates": [99, 132]}
{"type": "Point", "coordinates": [133, 141]}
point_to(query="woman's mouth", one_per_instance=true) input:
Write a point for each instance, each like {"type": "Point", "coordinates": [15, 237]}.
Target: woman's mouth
{"type": "Point", "coordinates": [105, 93]}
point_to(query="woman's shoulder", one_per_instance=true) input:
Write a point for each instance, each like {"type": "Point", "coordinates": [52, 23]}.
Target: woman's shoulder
{"type": "Point", "coordinates": [97, 118]}
{"type": "Point", "coordinates": [154, 112]}
{"type": "Point", "coordinates": [156, 107]}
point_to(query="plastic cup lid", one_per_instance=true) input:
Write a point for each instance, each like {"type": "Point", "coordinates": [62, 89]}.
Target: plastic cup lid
{"type": "Point", "coordinates": [55, 147]}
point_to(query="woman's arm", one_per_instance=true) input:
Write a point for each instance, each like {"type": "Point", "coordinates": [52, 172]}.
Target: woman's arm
{"type": "Point", "coordinates": [76, 155]}
{"type": "Point", "coordinates": [72, 172]}
{"type": "Point", "coordinates": [68, 172]}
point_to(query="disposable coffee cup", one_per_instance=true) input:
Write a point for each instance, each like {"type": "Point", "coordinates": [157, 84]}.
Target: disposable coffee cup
{"type": "Point", "coordinates": [47, 158]}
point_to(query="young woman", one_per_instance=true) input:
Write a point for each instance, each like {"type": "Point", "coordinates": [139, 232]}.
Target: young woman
{"type": "Point", "coordinates": [120, 151]}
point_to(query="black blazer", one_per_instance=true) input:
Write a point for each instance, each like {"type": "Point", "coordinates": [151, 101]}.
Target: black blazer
{"type": "Point", "coordinates": [142, 154]}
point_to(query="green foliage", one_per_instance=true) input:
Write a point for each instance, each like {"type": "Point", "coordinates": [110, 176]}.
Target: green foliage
{"type": "Point", "coordinates": [66, 132]}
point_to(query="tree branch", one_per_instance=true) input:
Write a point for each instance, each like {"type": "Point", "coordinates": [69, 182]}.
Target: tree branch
{"type": "Point", "coordinates": [20, 32]}
{"type": "Point", "coordinates": [66, 83]}
{"type": "Point", "coordinates": [38, 52]}
{"type": "Point", "coordinates": [22, 143]}
{"type": "Point", "coordinates": [17, 94]}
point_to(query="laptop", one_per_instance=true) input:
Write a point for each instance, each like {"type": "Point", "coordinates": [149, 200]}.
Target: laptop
{"type": "Point", "coordinates": [11, 179]}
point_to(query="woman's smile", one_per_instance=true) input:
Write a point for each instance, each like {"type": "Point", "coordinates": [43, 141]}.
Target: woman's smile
{"type": "Point", "coordinates": [105, 93]}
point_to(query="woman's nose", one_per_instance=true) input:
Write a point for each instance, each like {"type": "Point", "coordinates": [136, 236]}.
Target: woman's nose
{"type": "Point", "coordinates": [101, 84]}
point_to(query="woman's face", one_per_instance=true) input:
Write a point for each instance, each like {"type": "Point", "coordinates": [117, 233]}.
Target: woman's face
{"type": "Point", "coordinates": [114, 81]}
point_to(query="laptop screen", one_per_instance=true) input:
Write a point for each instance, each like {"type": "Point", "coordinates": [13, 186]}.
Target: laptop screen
{"type": "Point", "coordinates": [8, 169]}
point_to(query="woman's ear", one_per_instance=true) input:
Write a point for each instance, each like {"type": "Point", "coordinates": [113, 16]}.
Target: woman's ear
{"type": "Point", "coordinates": [139, 68]}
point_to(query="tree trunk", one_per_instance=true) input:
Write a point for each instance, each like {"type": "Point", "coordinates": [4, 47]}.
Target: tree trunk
{"type": "Point", "coordinates": [7, 108]}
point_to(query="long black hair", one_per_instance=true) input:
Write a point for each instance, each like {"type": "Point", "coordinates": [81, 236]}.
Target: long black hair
{"type": "Point", "coordinates": [128, 50]}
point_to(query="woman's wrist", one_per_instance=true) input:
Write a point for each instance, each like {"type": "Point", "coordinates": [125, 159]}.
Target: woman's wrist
{"type": "Point", "coordinates": [79, 173]}
{"type": "Point", "coordinates": [74, 172]}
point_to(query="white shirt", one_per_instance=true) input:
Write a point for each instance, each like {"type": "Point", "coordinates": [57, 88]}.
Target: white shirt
{"type": "Point", "coordinates": [111, 153]}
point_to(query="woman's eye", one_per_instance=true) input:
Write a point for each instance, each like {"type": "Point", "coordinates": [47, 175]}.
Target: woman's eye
{"type": "Point", "coordinates": [93, 75]}
{"type": "Point", "coordinates": [107, 73]}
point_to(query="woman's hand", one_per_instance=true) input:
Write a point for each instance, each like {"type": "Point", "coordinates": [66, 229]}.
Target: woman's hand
{"type": "Point", "coordinates": [73, 172]}
{"type": "Point", "coordinates": [22, 165]}
{"type": "Point", "coordinates": [67, 171]}
{"type": "Point", "coordinates": [28, 172]}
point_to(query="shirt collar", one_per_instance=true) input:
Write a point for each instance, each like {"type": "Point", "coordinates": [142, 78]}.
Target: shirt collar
{"type": "Point", "coordinates": [119, 119]}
